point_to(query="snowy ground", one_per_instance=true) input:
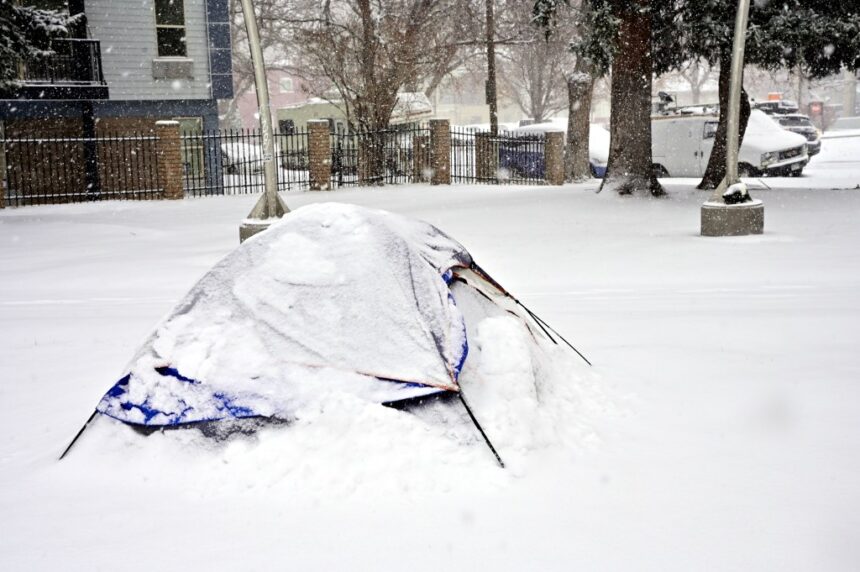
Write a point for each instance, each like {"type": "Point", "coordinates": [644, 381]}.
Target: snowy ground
{"type": "Point", "coordinates": [722, 433]}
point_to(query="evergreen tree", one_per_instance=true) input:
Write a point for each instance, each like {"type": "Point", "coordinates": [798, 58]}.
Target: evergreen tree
{"type": "Point", "coordinates": [634, 39]}
{"type": "Point", "coordinates": [817, 36]}
{"type": "Point", "coordinates": [637, 38]}
{"type": "Point", "coordinates": [26, 34]}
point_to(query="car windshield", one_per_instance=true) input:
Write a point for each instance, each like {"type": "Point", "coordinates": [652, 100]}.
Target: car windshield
{"type": "Point", "coordinates": [795, 121]}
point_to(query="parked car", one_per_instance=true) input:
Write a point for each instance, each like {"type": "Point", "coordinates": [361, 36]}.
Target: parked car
{"type": "Point", "coordinates": [682, 144]}
{"type": "Point", "coordinates": [241, 157]}
{"type": "Point", "coordinates": [598, 141]}
{"type": "Point", "coordinates": [522, 157]}
{"type": "Point", "coordinates": [598, 149]}
{"type": "Point", "coordinates": [778, 107]}
{"type": "Point", "coordinates": [802, 125]}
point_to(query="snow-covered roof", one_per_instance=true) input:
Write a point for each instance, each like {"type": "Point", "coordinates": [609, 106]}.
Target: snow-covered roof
{"type": "Point", "coordinates": [411, 106]}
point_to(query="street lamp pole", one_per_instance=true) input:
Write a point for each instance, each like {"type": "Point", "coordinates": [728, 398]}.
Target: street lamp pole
{"type": "Point", "coordinates": [736, 85]}
{"type": "Point", "coordinates": [731, 211]}
{"type": "Point", "coordinates": [270, 207]}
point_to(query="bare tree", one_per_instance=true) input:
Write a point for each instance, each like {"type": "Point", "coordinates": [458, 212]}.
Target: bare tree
{"type": "Point", "coordinates": [533, 73]}
{"type": "Point", "coordinates": [697, 73]}
{"type": "Point", "coordinates": [366, 51]}
{"type": "Point", "coordinates": [274, 18]}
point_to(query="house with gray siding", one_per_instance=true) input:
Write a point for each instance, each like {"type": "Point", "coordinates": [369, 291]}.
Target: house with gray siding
{"type": "Point", "coordinates": [126, 64]}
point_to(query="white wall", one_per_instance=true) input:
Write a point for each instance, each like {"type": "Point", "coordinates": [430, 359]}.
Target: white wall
{"type": "Point", "coordinates": [126, 29]}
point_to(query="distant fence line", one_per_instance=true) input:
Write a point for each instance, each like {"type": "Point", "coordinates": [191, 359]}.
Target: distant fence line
{"type": "Point", "coordinates": [170, 164]}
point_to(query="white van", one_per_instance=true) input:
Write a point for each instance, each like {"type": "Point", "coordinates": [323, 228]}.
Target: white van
{"type": "Point", "coordinates": [681, 146]}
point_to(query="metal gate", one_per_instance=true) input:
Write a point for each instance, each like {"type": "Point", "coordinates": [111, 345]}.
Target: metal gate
{"type": "Point", "coordinates": [230, 161]}
{"type": "Point", "coordinates": [397, 155]}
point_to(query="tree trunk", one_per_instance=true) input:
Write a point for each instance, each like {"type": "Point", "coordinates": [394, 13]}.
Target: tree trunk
{"type": "Point", "coordinates": [629, 168]}
{"type": "Point", "coordinates": [491, 69]}
{"type": "Point", "coordinates": [716, 170]}
{"type": "Point", "coordinates": [580, 86]}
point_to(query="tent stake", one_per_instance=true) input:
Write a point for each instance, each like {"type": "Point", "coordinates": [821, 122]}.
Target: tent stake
{"type": "Point", "coordinates": [78, 435]}
{"type": "Point", "coordinates": [480, 429]}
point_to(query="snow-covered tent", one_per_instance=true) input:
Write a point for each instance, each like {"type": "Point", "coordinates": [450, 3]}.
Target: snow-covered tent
{"type": "Point", "coordinates": [332, 298]}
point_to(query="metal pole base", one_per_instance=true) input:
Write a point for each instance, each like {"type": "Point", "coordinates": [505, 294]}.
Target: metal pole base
{"type": "Point", "coordinates": [261, 217]}
{"type": "Point", "coordinates": [250, 227]}
{"type": "Point", "coordinates": [720, 219]}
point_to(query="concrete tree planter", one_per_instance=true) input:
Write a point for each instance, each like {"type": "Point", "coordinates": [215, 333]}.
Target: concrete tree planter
{"type": "Point", "coordinates": [720, 219]}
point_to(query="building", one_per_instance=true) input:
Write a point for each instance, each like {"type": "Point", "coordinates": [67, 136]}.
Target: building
{"type": "Point", "coordinates": [127, 64]}
{"type": "Point", "coordinates": [285, 89]}
{"type": "Point", "coordinates": [410, 107]}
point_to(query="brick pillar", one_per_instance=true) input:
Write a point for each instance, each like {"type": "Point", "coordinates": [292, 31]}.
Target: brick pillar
{"type": "Point", "coordinates": [169, 150]}
{"type": "Point", "coordinates": [486, 157]}
{"type": "Point", "coordinates": [440, 152]}
{"type": "Point", "coordinates": [420, 158]}
{"type": "Point", "coordinates": [554, 157]}
{"type": "Point", "coordinates": [319, 154]}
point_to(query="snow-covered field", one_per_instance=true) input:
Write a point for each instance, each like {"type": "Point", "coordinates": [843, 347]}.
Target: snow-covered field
{"type": "Point", "coordinates": [718, 429]}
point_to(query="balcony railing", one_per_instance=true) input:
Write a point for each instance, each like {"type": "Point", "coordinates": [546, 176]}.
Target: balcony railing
{"type": "Point", "coordinates": [75, 61]}
{"type": "Point", "coordinates": [72, 71]}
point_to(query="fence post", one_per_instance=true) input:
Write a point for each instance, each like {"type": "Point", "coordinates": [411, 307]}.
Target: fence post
{"type": "Point", "coordinates": [554, 157]}
{"type": "Point", "coordinates": [169, 152]}
{"type": "Point", "coordinates": [319, 155]}
{"type": "Point", "coordinates": [440, 152]}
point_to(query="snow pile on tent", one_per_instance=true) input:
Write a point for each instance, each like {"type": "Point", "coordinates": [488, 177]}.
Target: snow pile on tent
{"type": "Point", "coordinates": [339, 300]}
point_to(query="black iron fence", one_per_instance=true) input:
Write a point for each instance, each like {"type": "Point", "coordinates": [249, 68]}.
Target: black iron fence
{"type": "Point", "coordinates": [463, 167]}
{"type": "Point", "coordinates": [521, 158]}
{"type": "Point", "coordinates": [509, 157]}
{"type": "Point", "coordinates": [114, 166]}
{"type": "Point", "coordinates": [231, 161]}
{"type": "Point", "coordinates": [397, 155]}
{"type": "Point", "coordinates": [76, 169]}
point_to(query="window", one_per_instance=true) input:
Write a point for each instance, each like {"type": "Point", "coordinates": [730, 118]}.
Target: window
{"type": "Point", "coordinates": [170, 28]}
{"type": "Point", "coordinates": [287, 126]}
{"type": "Point", "coordinates": [286, 84]}
{"type": "Point", "coordinates": [710, 129]}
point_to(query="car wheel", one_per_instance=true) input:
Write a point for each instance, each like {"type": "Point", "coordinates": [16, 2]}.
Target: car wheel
{"type": "Point", "coordinates": [659, 171]}
{"type": "Point", "coordinates": [798, 173]}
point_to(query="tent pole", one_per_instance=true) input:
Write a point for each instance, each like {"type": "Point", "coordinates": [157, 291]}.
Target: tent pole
{"type": "Point", "coordinates": [480, 272]}
{"type": "Point", "coordinates": [80, 432]}
{"type": "Point", "coordinates": [480, 429]}
{"type": "Point", "coordinates": [542, 323]}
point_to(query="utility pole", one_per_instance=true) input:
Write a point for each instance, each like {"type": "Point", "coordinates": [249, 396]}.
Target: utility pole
{"type": "Point", "coordinates": [270, 207]}
{"type": "Point", "coordinates": [736, 85]}
{"type": "Point", "coordinates": [491, 69]}
{"type": "Point", "coordinates": [734, 213]}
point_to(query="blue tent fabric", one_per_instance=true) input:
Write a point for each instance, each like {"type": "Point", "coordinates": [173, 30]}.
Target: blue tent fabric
{"type": "Point", "coordinates": [332, 298]}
